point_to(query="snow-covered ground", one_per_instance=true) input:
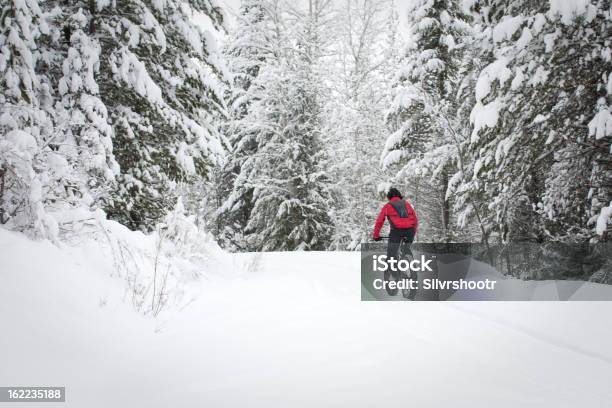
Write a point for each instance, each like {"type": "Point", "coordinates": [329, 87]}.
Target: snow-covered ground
{"type": "Point", "coordinates": [287, 330]}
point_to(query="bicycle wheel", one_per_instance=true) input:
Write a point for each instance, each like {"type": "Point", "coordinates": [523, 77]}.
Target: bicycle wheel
{"type": "Point", "coordinates": [410, 292]}
{"type": "Point", "coordinates": [388, 278]}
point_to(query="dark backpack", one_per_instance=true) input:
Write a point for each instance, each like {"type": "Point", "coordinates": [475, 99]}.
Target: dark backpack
{"type": "Point", "coordinates": [403, 220]}
{"type": "Point", "coordinates": [400, 207]}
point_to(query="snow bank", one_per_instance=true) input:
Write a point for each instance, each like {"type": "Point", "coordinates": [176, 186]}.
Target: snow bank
{"type": "Point", "coordinates": [155, 270]}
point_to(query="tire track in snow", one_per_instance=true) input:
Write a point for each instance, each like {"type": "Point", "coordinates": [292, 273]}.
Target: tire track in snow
{"type": "Point", "coordinates": [548, 339]}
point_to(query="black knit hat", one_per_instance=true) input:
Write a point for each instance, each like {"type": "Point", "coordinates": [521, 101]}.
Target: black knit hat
{"type": "Point", "coordinates": [394, 192]}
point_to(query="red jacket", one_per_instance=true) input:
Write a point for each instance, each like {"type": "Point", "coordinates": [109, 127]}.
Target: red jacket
{"type": "Point", "coordinates": [389, 212]}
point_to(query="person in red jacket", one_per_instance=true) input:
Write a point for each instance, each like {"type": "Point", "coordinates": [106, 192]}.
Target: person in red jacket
{"type": "Point", "coordinates": [402, 220]}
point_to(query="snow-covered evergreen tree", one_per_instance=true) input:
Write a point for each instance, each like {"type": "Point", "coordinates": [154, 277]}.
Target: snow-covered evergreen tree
{"type": "Point", "coordinates": [250, 46]}
{"type": "Point", "coordinates": [96, 92]}
{"type": "Point", "coordinates": [290, 196]}
{"type": "Point", "coordinates": [538, 142]}
{"type": "Point", "coordinates": [83, 122]}
{"type": "Point", "coordinates": [426, 135]}
{"type": "Point", "coordinates": [161, 79]}
{"type": "Point", "coordinates": [34, 173]}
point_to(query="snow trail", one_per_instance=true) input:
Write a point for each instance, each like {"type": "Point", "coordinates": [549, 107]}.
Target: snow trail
{"type": "Point", "coordinates": [289, 331]}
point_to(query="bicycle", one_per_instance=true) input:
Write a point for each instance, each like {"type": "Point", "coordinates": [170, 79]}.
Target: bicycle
{"type": "Point", "coordinates": [404, 252]}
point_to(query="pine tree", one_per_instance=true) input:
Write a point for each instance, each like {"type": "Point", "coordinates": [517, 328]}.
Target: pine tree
{"type": "Point", "coordinates": [162, 82]}
{"type": "Point", "coordinates": [83, 121]}
{"type": "Point", "coordinates": [92, 85]}
{"type": "Point", "coordinates": [533, 156]}
{"type": "Point", "coordinates": [425, 141]}
{"type": "Point", "coordinates": [250, 46]}
{"type": "Point", "coordinates": [291, 196]}
{"type": "Point", "coordinates": [34, 175]}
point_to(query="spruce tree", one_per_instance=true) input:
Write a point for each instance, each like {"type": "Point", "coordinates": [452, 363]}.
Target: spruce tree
{"type": "Point", "coordinates": [536, 158]}
{"type": "Point", "coordinates": [291, 198]}
{"type": "Point", "coordinates": [423, 147]}
{"type": "Point", "coordinates": [291, 191]}
{"type": "Point", "coordinates": [34, 174]}
{"type": "Point", "coordinates": [163, 83]}
{"type": "Point", "coordinates": [82, 116]}
{"type": "Point", "coordinates": [249, 47]}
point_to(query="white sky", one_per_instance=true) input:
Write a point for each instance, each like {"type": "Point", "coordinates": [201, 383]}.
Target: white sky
{"type": "Point", "coordinates": [232, 7]}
